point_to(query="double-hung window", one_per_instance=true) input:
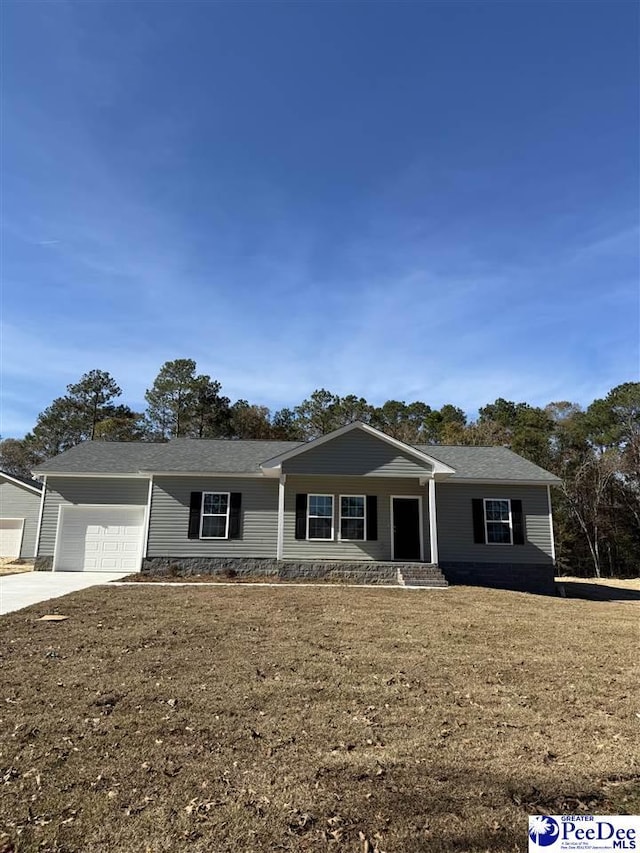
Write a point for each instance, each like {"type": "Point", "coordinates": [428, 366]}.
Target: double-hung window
{"type": "Point", "coordinates": [214, 519]}
{"type": "Point", "coordinates": [498, 522]}
{"type": "Point", "coordinates": [320, 517]}
{"type": "Point", "coordinates": [353, 517]}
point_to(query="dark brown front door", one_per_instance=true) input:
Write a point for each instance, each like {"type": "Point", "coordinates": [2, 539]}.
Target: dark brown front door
{"type": "Point", "coordinates": [406, 529]}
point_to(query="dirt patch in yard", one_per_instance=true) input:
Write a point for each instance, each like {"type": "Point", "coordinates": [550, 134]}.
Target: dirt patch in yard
{"type": "Point", "coordinates": [321, 719]}
{"type": "Point", "coordinates": [11, 566]}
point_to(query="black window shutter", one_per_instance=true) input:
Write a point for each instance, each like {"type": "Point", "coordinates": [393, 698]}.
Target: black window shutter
{"type": "Point", "coordinates": [478, 521]}
{"type": "Point", "coordinates": [372, 518]}
{"type": "Point", "coordinates": [194, 515]}
{"type": "Point", "coordinates": [301, 516]}
{"type": "Point", "coordinates": [517, 519]}
{"type": "Point", "coordinates": [235, 502]}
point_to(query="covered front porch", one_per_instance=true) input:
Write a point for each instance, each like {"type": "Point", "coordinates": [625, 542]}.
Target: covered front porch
{"type": "Point", "coordinates": [378, 519]}
{"type": "Point", "coordinates": [357, 494]}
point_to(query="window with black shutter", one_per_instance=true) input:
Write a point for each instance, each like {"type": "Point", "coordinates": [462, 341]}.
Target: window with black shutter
{"type": "Point", "coordinates": [215, 515]}
{"type": "Point", "coordinates": [498, 521]}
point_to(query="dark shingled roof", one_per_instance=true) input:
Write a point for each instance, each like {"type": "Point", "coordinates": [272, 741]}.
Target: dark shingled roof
{"type": "Point", "coordinates": [486, 463]}
{"type": "Point", "coordinates": [105, 457]}
{"type": "Point", "coordinates": [226, 456]}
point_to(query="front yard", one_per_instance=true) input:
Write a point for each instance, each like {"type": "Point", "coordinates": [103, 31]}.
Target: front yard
{"type": "Point", "coordinates": [312, 719]}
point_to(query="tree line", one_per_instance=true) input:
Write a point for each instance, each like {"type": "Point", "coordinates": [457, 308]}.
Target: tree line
{"type": "Point", "coordinates": [594, 450]}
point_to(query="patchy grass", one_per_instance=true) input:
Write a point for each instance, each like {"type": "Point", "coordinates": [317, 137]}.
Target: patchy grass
{"type": "Point", "coordinates": [13, 566]}
{"type": "Point", "coordinates": [233, 719]}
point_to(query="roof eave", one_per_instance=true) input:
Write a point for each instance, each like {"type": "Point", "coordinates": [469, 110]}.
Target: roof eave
{"type": "Point", "coordinates": [19, 482]}
{"type": "Point", "coordinates": [243, 474]}
{"type": "Point", "coordinates": [486, 481]}
{"type": "Point", "coordinates": [53, 473]}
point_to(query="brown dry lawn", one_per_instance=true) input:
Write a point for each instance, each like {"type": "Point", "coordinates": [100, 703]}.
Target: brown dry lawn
{"type": "Point", "coordinates": [11, 566]}
{"type": "Point", "coordinates": [322, 719]}
{"type": "Point", "coordinates": [620, 583]}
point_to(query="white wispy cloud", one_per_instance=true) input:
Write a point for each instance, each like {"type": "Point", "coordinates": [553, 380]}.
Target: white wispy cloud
{"type": "Point", "coordinates": [409, 335]}
{"type": "Point", "coordinates": [417, 299]}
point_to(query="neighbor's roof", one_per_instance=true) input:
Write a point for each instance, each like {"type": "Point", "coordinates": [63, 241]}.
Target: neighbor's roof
{"type": "Point", "coordinates": [22, 481]}
{"type": "Point", "coordinates": [228, 456]}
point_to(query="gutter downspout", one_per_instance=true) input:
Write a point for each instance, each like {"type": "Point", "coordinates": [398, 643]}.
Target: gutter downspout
{"type": "Point", "coordinates": [553, 538]}
{"type": "Point", "coordinates": [40, 514]}
{"type": "Point", "coordinates": [147, 520]}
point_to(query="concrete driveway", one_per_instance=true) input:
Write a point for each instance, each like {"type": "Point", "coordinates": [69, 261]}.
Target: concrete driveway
{"type": "Point", "coordinates": [18, 591]}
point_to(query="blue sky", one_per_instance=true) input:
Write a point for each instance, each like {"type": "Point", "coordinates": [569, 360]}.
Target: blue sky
{"type": "Point", "coordinates": [433, 200]}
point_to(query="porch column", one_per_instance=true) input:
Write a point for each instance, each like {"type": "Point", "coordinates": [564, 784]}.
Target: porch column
{"type": "Point", "coordinates": [280, 540]}
{"type": "Point", "coordinates": [433, 523]}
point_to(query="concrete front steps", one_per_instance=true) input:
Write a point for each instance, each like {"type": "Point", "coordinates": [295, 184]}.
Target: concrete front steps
{"type": "Point", "coordinates": [421, 575]}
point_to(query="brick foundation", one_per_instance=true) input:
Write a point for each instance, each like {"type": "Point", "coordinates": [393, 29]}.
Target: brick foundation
{"type": "Point", "coordinates": [346, 572]}
{"type": "Point", "coordinates": [522, 577]}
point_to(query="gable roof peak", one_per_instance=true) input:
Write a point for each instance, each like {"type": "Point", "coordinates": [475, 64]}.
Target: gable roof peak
{"type": "Point", "coordinates": [271, 466]}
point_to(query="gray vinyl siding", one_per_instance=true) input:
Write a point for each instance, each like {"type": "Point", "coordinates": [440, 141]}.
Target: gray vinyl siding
{"type": "Point", "coordinates": [131, 491]}
{"type": "Point", "coordinates": [455, 524]}
{"type": "Point", "coordinates": [382, 487]}
{"type": "Point", "coordinates": [356, 454]}
{"type": "Point", "coordinates": [16, 502]}
{"type": "Point", "coordinates": [169, 525]}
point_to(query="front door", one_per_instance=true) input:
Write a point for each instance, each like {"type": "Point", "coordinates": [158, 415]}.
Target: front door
{"type": "Point", "coordinates": [406, 528]}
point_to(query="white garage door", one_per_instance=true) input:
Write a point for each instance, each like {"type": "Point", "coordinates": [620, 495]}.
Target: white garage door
{"type": "Point", "coordinates": [100, 539]}
{"type": "Point", "coordinates": [10, 536]}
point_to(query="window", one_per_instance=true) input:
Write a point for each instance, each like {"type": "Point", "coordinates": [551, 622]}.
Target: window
{"type": "Point", "coordinates": [497, 519]}
{"type": "Point", "coordinates": [214, 521]}
{"type": "Point", "coordinates": [320, 517]}
{"type": "Point", "coordinates": [352, 517]}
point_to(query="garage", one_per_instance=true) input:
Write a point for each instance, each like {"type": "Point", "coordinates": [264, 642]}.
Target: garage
{"type": "Point", "coordinates": [99, 539]}
{"type": "Point", "coordinates": [11, 536]}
